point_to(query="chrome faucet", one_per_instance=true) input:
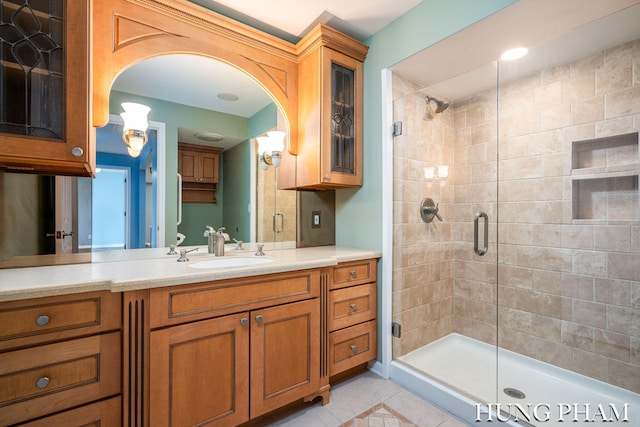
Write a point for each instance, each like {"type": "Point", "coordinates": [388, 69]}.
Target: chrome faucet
{"type": "Point", "coordinates": [216, 239]}
{"type": "Point", "coordinates": [209, 233]}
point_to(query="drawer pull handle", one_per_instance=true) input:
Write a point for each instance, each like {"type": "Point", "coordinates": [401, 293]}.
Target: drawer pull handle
{"type": "Point", "coordinates": [42, 320]}
{"type": "Point", "coordinates": [259, 318]}
{"type": "Point", "coordinates": [244, 321]}
{"type": "Point", "coordinates": [353, 274]}
{"type": "Point", "coordinates": [354, 306]}
{"type": "Point", "coordinates": [354, 348]}
{"type": "Point", "coordinates": [42, 382]}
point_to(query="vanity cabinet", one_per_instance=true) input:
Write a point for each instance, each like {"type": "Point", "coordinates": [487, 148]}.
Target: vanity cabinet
{"type": "Point", "coordinates": [61, 355]}
{"type": "Point", "coordinates": [352, 312]}
{"type": "Point", "coordinates": [199, 168]}
{"type": "Point", "coordinates": [242, 346]}
{"type": "Point", "coordinates": [329, 111]}
{"type": "Point", "coordinates": [44, 103]}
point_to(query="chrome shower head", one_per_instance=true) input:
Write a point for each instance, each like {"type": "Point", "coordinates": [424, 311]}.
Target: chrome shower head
{"type": "Point", "coordinates": [440, 105]}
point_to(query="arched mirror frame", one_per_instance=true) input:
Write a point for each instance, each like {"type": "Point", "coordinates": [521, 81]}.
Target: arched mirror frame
{"type": "Point", "coordinates": [128, 31]}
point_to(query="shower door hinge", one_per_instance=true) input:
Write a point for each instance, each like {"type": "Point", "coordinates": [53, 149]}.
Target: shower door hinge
{"type": "Point", "coordinates": [396, 329]}
{"type": "Point", "coordinates": [396, 129]}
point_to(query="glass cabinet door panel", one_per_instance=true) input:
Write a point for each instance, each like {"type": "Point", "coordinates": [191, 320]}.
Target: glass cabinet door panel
{"type": "Point", "coordinates": [342, 119]}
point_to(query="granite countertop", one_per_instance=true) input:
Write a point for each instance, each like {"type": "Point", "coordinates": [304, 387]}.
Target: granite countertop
{"type": "Point", "coordinates": [119, 273]}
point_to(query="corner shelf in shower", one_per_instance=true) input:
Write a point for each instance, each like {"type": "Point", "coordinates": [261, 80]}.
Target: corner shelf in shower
{"type": "Point", "coordinates": [605, 179]}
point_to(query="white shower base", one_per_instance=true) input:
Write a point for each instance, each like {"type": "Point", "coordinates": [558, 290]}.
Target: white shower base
{"type": "Point", "coordinates": [456, 372]}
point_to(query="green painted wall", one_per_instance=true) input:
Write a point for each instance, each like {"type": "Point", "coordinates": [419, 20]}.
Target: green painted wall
{"type": "Point", "coordinates": [195, 216]}
{"type": "Point", "coordinates": [237, 176]}
{"type": "Point", "coordinates": [236, 164]}
{"type": "Point", "coordinates": [264, 120]}
{"type": "Point", "coordinates": [359, 211]}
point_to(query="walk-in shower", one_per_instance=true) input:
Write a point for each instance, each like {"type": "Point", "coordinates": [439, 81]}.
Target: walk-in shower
{"type": "Point", "coordinates": [545, 324]}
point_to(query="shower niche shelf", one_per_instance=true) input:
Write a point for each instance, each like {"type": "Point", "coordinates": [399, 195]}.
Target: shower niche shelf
{"type": "Point", "coordinates": [605, 181]}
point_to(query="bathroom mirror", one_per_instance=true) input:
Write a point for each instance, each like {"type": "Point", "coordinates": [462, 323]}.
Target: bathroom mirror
{"type": "Point", "coordinates": [196, 100]}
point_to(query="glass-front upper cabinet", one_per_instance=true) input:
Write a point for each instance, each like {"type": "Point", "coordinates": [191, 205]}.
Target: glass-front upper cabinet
{"type": "Point", "coordinates": [330, 111]}
{"type": "Point", "coordinates": [44, 92]}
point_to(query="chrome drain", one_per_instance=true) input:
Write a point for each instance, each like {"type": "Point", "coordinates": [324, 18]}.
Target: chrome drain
{"type": "Point", "coordinates": [515, 393]}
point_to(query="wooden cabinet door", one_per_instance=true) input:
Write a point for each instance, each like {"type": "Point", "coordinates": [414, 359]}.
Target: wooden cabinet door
{"type": "Point", "coordinates": [285, 354]}
{"type": "Point", "coordinates": [208, 165]}
{"type": "Point", "coordinates": [341, 150]}
{"type": "Point", "coordinates": [187, 165]}
{"type": "Point", "coordinates": [44, 104]}
{"type": "Point", "coordinates": [197, 166]}
{"type": "Point", "coordinates": [199, 373]}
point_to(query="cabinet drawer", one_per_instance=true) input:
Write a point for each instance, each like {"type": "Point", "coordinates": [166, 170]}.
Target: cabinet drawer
{"type": "Point", "coordinates": [181, 304]}
{"type": "Point", "coordinates": [350, 306]}
{"type": "Point", "coordinates": [103, 413]}
{"type": "Point", "coordinates": [354, 273]}
{"type": "Point", "coordinates": [352, 346]}
{"type": "Point", "coordinates": [35, 321]}
{"type": "Point", "coordinates": [50, 378]}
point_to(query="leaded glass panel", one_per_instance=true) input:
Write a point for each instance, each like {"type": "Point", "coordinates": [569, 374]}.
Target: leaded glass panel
{"type": "Point", "coordinates": [31, 70]}
{"type": "Point", "coordinates": [342, 119]}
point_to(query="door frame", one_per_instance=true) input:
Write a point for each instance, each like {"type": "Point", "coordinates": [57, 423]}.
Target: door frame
{"type": "Point", "coordinates": [161, 175]}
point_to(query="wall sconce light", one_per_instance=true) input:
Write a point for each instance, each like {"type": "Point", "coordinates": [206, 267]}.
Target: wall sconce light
{"type": "Point", "coordinates": [439, 173]}
{"type": "Point", "coordinates": [134, 133]}
{"type": "Point", "coordinates": [270, 148]}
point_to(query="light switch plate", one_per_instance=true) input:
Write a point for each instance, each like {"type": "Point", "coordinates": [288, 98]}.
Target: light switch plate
{"type": "Point", "coordinates": [315, 219]}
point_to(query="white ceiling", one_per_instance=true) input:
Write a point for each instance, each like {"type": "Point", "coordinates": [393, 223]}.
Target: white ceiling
{"type": "Point", "coordinates": [453, 67]}
{"type": "Point", "coordinates": [291, 19]}
{"type": "Point", "coordinates": [555, 32]}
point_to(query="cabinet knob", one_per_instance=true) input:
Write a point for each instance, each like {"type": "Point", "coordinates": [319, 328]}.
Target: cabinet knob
{"type": "Point", "coordinates": [244, 321]}
{"type": "Point", "coordinates": [327, 177]}
{"type": "Point", "coordinates": [354, 306]}
{"type": "Point", "coordinates": [353, 347]}
{"type": "Point", "coordinates": [77, 151]}
{"type": "Point", "coordinates": [259, 318]}
{"type": "Point", "coordinates": [353, 274]}
{"type": "Point", "coordinates": [42, 320]}
{"type": "Point", "coordinates": [42, 382]}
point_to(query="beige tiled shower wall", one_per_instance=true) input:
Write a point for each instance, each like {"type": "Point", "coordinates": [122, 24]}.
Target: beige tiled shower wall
{"type": "Point", "coordinates": [423, 253]}
{"type": "Point", "coordinates": [569, 257]}
{"type": "Point", "coordinates": [270, 201]}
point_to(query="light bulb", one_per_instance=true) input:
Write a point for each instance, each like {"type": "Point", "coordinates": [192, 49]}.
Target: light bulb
{"type": "Point", "coordinates": [429, 173]}
{"type": "Point", "coordinates": [135, 116]}
{"type": "Point", "coordinates": [275, 158]}
{"type": "Point", "coordinates": [276, 140]}
{"type": "Point", "coordinates": [263, 144]}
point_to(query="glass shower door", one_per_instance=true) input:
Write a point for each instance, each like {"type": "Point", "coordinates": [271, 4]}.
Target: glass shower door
{"type": "Point", "coordinates": [444, 294]}
{"type": "Point", "coordinates": [569, 221]}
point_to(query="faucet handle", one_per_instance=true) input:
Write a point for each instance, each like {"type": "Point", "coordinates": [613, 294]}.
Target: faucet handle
{"type": "Point", "coordinates": [183, 254]}
{"type": "Point", "coordinates": [172, 250]}
{"type": "Point", "coordinates": [260, 253]}
{"type": "Point", "coordinates": [239, 244]}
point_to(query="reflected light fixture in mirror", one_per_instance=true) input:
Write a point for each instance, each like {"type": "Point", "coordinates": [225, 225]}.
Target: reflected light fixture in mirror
{"type": "Point", "coordinates": [134, 133]}
{"type": "Point", "coordinates": [439, 173]}
{"type": "Point", "coordinates": [270, 148]}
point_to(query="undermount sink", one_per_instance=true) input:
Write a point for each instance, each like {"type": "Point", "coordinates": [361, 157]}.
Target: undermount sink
{"type": "Point", "coordinates": [224, 262]}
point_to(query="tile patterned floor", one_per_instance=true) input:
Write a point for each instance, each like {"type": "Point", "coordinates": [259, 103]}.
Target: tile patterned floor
{"type": "Point", "coordinates": [365, 392]}
{"type": "Point", "coordinates": [379, 416]}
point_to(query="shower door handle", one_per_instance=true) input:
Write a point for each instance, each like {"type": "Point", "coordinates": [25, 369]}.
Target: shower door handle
{"type": "Point", "coordinates": [485, 247]}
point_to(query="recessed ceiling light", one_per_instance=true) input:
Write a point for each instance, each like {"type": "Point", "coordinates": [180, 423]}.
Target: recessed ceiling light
{"type": "Point", "coordinates": [209, 136]}
{"type": "Point", "coordinates": [513, 54]}
{"type": "Point", "coordinates": [228, 96]}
